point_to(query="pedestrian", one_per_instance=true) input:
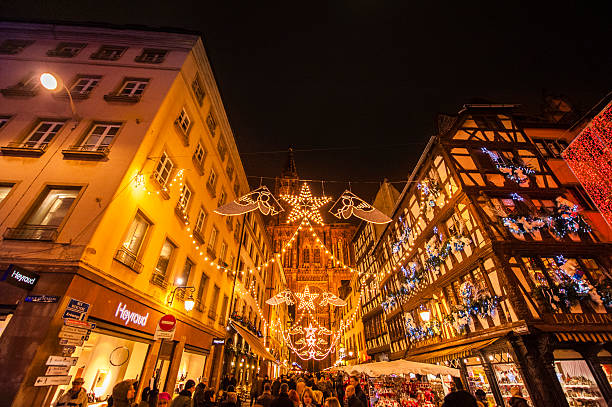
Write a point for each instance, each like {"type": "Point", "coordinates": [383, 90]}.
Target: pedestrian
{"type": "Point", "coordinates": [209, 398]}
{"type": "Point", "coordinates": [517, 399]}
{"type": "Point", "coordinates": [265, 399]}
{"type": "Point", "coordinates": [163, 399]}
{"type": "Point", "coordinates": [256, 387]}
{"type": "Point", "coordinates": [225, 382]}
{"type": "Point", "coordinates": [308, 398]}
{"type": "Point", "coordinates": [184, 397]}
{"type": "Point", "coordinates": [232, 381]}
{"type": "Point", "coordinates": [276, 387]}
{"type": "Point", "coordinates": [318, 397]}
{"type": "Point", "coordinates": [354, 381]}
{"type": "Point", "coordinates": [299, 387]}
{"type": "Point", "coordinates": [123, 394]}
{"type": "Point", "coordinates": [283, 397]}
{"type": "Point", "coordinates": [481, 398]}
{"type": "Point", "coordinates": [231, 400]}
{"type": "Point", "coordinates": [351, 398]}
{"type": "Point", "coordinates": [295, 399]}
{"type": "Point", "coordinates": [144, 398]}
{"type": "Point", "coordinates": [332, 402]}
{"type": "Point", "coordinates": [76, 396]}
{"type": "Point", "coordinates": [459, 398]}
{"type": "Point", "coordinates": [198, 395]}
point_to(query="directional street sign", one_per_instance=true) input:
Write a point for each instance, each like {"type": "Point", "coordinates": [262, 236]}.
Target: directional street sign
{"type": "Point", "coordinates": [71, 342]}
{"type": "Point", "coordinates": [57, 371]}
{"type": "Point", "coordinates": [74, 330]}
{"type": "Point", "coordinates": [52, 380]}
{"type": "Point", "coordinates": [61, 361]}
{"type": "Point", "coordinates": [78, 323]}
{"type": "Point", "coordinates": [68, 350]}
{"type": "Point", "coordinates": [76, 310]}
{"type": "Point", "coordinates": [70, 335]}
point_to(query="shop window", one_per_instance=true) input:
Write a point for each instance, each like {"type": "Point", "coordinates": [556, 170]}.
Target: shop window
{"type": "Point", "coordinates": [108, 53]}
{"type": "Point", "coordinates": [47, 215]}
{"type": "Point", "coordinates": [578, 383]}
{"type": "Point", "coordinates": [165, 256]}
{"type": "Point", "coordinates": [12, 47]}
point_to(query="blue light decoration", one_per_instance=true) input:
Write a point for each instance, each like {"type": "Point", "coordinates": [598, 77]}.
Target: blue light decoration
{"type": "Point", "coordinates": [439, 250]}
{"type": "Point", "coordinates": [418, 333]}
{"type": "Point", "coordinates": [404, 236]}
{"type": "Point", "coordinates": [515, 172]}
{"type": "Point", "coordinates": [431, 194]}
{"type": "Point", "coordinates": [475, 303]}
{"type": "Point", "coordinates": [389, 302]}
{"type": "Point", "coordinates": [516, 197]}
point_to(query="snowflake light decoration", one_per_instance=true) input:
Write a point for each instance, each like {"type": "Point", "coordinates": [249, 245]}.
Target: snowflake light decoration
{"type": "Point", "coordinates": [305, 205]}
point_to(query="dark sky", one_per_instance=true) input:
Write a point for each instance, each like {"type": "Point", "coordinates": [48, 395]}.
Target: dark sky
{"type": "Point", "coordinates": [364, 80]}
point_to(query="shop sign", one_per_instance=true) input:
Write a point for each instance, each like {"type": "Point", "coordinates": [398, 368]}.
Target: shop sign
{"type": "Point", "coordinates": [20, 277]}
{"type": "Point", "coordinates": [128, 316]}
{"type": "Point", "coordinates": [57, 371]}
{"type": "Point", "coordinates": [79, 324]}
{"type": "Point", "coordinates": [42, 298]}
{"type": "Point", "coordinates": [61, 361]}
{"type": "Point", "coordinates": [218, 341]}
{"type": "Point", "coordinates": [76, 310]}
{"type": "Point", "coordinates": [73, 330]}
{"type": "Point", "coordinates": [71, 342]}
{"type": "Point", "coordinates": [165, 328]}
{"type": "Point", "coordinates": [52, 380]}
{"type": "Point", "coordinates": [571, 319]}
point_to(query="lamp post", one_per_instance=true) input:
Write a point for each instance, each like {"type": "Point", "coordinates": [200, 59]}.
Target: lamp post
{"type": "Point", "coordinates": [54, 82]}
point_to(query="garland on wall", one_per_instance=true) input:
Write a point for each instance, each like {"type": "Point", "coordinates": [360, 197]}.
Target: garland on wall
{"type": "Point", "coordinates": [405, 235]}
{"type": "Point", "coordinates": [438, 249]}
{"type": "Point", "coordinates": [431, 194]}
{"type": "Point", "coordinates": [517, 172]}
{"type": "Point", "coordinates": [413, 278]}
{"type": "Point", "coordinates": [429, 329]}
{"type": "Point", "coordinates": [475, 303]}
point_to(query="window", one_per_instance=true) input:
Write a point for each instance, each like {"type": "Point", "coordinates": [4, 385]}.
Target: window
{"type": "Point", "coordinates": [26, 87]}
{"type": "Point", "coordinates": [133, 87]}
{"type": "Point", "coordinates": [84, 85]}
{"type": "Point", "coordinates": [66, 49]}
{"type": "Point", "coordinates": [316, 254]}
{"type": "Point", "coordinates": [42, 135]}
{"type": "Point", "coordinates": [230, 172]}
{"type": "Point", "coordinates": [163, 169]}
{"type": "Point", "coordinates": [222, 148]}
{"type": "Point", "coordinates": [213, 238]}
{"type": "Point", "coordinates": [212, 180]}
{"type": "Point", "coordinates": [551, 148]}
{"type": "Point", "coordinates": [223, 251]}
{"type": "Point", "coordinates": [152, 56]}
{"type": "Point", "coordinates": [183, 121]}
{"type": "Point", "coordinates": [199, 155]}
{"type": "Point", "coordinates": [136, 234]}
{"type": "Point", "coordinates": [201, 291]}
{"type": "Point", "coordinates": [223, 309]}
{"type": "Point", "coordinates": [222, 198]}
{"type": "Point", "coordinates": [100, 136]}
{"type": "Point", "coordinates": [197, 90]}
{"type": "Point", "coordinates": [164, 257]}
{"type": "Point", "coordinates": [306, 256]}
{"type": "Point", "coordinates": [4, 120]}
{"type": "Point", "coordinates": [215, 300]}
{"type": "Point", "coordinates": [4, 191]}
{"type": "Point", "coordinates": [183, 202]}
{"type": "Point", "coordinates": [237, 188]}
{"type": "Point", "coordinates": [12, 47]}
{"type": "Point", "coordinates": [211, 123]}
{"type": "Point", "coordinates": [183, 277]}
{"type": "Point", "coordinates": [199, 224]}
{"type": "Point", "coordinates": [109, 53]}
{"type": "Point", "coordinates": [53, 207]}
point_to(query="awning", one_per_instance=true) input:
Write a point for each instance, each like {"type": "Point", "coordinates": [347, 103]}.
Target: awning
{"type": "Point", "coordinates": [596, 337]}
{"type": "Point", "coordinates": [400, 366]}
{"type": "Point", "coordinates": [455, 352]}
{"type": "Point", "coordinates": [256, 346]}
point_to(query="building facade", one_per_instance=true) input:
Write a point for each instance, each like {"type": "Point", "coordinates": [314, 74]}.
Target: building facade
{"type": "Point", "coordinates": [497, 264]}
{"type": "Point", "coordinates": [107, 193]}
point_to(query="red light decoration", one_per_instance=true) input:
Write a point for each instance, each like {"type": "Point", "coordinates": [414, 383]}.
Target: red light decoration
{"type": "Point", "coordinates": [590, 158]}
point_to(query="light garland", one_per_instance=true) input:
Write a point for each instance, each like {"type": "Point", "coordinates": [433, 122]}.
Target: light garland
{"type": "Point", "coordinates": [515, 172]}
{"type": "Point", "coordinates": [305, 205]}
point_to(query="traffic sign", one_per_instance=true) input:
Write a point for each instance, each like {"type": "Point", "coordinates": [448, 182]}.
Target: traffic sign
{"type": "Point", "coordinates": [61, 361]}
{"type": "Point", "coordinates": [71, 342]}
{"type": "Point", "coordinates": [57, 371]}
{"type": "Point", "coordinates": [167, 323]}
{"type": "Point", "coordinates": [76, 310]}
{"type": "Point", "coordinates": [78, 323]}
{"type": "Point", "coordinates": [52, 380]}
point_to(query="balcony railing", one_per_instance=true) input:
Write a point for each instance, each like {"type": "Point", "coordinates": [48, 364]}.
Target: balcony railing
{"type": "Point", "coordinates": [85, 151]}
{"type": "Point", "coordinates": [159, 280]}
{"type": "Point", "coordinates": [199, 165]}
{"type": "Point", "coordinates": [28, 148]}
{"type": "Point", "coordinates": [127, 258]}
{"type": "Point", "coordinates": [42, 233]}
{"type": "Point", "coordinates": [111, 97]}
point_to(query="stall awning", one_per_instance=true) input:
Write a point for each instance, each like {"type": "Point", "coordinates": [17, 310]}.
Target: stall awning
{"type": "Point", "coordinates": [256, 346]}
{"type": "Point", "coordinates": [455, 352]}
{"type": "Point", "coordinates": [584, 336]}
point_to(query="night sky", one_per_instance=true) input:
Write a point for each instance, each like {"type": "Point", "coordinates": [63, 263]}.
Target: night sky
{"type": "Point", "coordinates": [359, 83]}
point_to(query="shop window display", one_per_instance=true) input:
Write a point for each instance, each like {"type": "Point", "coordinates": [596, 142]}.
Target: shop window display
{"type": "Point", "coordinates": [103, 361]}
{"type": "Point", "coordinates": [578, 384]}
{"type": "Point", "coordinates": [396, 391]}
{"type": "Point", "coordinates": [191, 367]}
{"type": "Point", "coordinates": [508, 376]}
{"type": "Point", "coordinates": [478, 379]}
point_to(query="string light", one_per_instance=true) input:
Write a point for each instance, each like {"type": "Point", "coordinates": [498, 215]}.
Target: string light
{"type": "Point", "coordinates": [305, 205]}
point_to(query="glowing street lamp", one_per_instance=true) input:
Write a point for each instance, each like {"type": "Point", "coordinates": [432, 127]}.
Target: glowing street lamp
{"type": "Point", "coordinates": [425, 315]}
{"type": "Point", "coordinates": [189, 302]}
{"type": "Point", "coordinates": [54, 82]}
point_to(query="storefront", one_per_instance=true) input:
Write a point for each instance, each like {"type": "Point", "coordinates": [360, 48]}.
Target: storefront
{"type": "Point", "coordinates": [191, 367]}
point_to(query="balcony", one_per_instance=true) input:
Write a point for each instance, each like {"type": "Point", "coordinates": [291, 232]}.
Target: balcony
{"type": "Point", "coordinates": [19, 91]}
{"type": "Point", "coordinates": [86, 152]}
{"type": "Point", "coordinates": [197, 235]}
{"type": "Point", "coordinates": [41, 233]}
{"type": "Point", "coordinates": [127, 258]}
{"type": "Point", "coordinates": [114, 98]}
{"type": "Point", "coordinates": [211, 252]}
{"type": "Point", "coordinates": [199, 165]}
{"type": "Point", "coordinates": [159, 280]}
{"type": "Point", "coordinates": [24, 149]}
{"type": "Point", "coordinates": [181, 213]}
{"type": "Point", "coordinates": [182, 132]}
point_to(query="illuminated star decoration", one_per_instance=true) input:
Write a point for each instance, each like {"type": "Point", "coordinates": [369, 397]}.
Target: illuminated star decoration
{"type": "Point", "coordinates": [305, 205]}
{"type": "Point", "coordinates": [306, 299]}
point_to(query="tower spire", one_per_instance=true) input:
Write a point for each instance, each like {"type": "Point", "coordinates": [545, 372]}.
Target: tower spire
{"type": "Point", "coordinates": [288, 182]}
{"type": "Point", "coordinates": [290, 170]}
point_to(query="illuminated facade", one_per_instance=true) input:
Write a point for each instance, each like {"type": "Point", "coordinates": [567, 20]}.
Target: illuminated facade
{"type": "Point", "coordinates": [496, 264]}
{"type": "Point", "coordinates": [112, 204]}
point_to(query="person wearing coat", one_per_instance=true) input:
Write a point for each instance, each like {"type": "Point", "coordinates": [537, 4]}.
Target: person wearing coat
{"type": "Point", "coordinates": [184, 397]}
{"type": "Point", "coordinates": [124, 394]}
{"type": "Point", "coordinates": [351, 398]}
{"type": "Point", "coordinates": [517, 399]}
{"type": "Point", "coordinates": [283, 399]}
{"type": "Point", "coordinates": [76, 396]}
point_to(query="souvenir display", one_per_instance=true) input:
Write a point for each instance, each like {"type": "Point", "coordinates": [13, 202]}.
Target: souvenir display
{"type": "Point", "coordinates": [397, 391]}
{"type": "Point", "coordinates": [578, 384]}
{"type": "Point", "coordinates": [478, 380]}
{"type": "Point", "coordinates": [508, 376]}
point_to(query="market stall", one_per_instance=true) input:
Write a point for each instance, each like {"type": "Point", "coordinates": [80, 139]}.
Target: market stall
{"type": "Point", "coordinates": [402, 383]}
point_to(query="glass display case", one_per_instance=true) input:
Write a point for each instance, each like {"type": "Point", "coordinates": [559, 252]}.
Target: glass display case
{"type": "Point", "coordinates": [578, 384]}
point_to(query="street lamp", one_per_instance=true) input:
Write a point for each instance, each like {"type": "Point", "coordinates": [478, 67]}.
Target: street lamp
{"type": "Point", "coordinates": [54, 82]}
{"type": "Point", "coordinates": [189, 302]}
{"type": "Point", "coordinates": [425, 314]}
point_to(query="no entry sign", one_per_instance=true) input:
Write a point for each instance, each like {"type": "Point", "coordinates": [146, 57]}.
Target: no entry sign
{"type": "Point", "coordinates": [165, 328]}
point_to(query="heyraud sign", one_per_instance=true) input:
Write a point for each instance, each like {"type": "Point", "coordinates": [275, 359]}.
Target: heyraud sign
{"type": "Point", "coordinates": [127, 316]}
{"type": "Point", "coordinates": [20, 277]}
